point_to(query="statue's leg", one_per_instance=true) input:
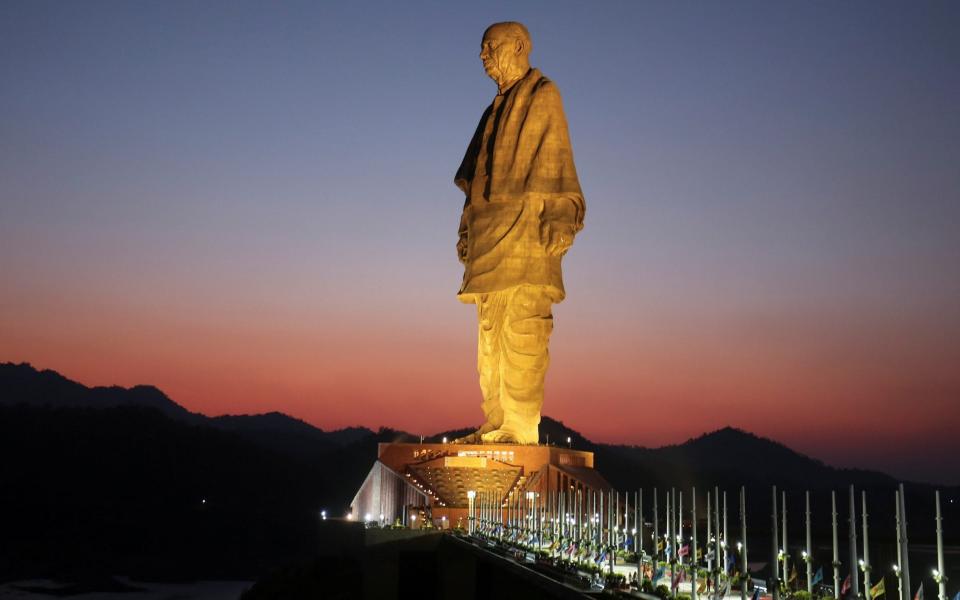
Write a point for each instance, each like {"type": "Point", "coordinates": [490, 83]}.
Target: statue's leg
{"type": "Point", "coordinates": [525, 333]}
{"type": "Point", "coordinates": [490, 311]}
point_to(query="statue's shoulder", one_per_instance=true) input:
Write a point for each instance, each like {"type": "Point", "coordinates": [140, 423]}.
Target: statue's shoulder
{"type": "Point", "coordinates": [544, 89]}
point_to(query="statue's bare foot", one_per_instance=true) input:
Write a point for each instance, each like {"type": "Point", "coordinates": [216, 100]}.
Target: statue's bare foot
{"type": "Point", "coordinates": [477, 436]}
{"type": "Point", "coordinates": [470, 438]}
{"type": "Point", "coordinates": [500, 436]}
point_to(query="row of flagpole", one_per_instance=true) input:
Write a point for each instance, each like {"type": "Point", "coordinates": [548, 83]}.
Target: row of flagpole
{"type": "Point", "coordinates": [573, 519]}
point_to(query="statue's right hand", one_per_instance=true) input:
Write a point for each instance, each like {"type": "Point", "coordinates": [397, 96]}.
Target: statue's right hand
{"type": "Point", "coordinates": [462, 249]}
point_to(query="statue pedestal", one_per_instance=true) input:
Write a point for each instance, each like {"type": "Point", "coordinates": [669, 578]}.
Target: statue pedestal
{"type": "Point", "coordinates": [431, 481]}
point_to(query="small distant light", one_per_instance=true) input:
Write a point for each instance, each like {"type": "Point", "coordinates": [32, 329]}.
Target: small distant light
{"type": "Point", "coordinates": [413, 517]}
{"type": "Point", "coordinates": [444, 439]}
{"type": "Point", "coordinates": [323, 515]}
{"type": "Point", "coordinates": [381, 516]}
{"type": "Point", "coordinates": [443, 518]}
{"type": "Point", "coordinates": [349, 516]}
{"type": "Point", "coordinates": [633, 531]}
{"type": "Point", "coordinates": [739, 546]}
{"type": "Point", "coordinates": [204, 501]}
{"type": "Point", "coordinates": [860, 562]}
{"type": "Point", "coordinates": [936, 573]}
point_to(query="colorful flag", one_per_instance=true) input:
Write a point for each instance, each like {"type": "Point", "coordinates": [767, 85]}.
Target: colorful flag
{"type": "Point", "coordinates": [793, 575]}
{"type": "Point", "coordinates": [919, 594]}
{"type": "Point", "coordinates": [756, 593]}
{"type": "Point", "coordinates": [846, 587]}
{"type": "Point", "coordinates": [658, 574]}
{"type": "Point", "coordinates": [817, 578]}
{"type": "Point", "coordinates": [601, 558]}
{"type": "Point", "coordinates": [659, 546]}
{"type": "Point", "coordinates": [684, 550]}
{"type": "Point", "coordinates": [730, 562]}
{"type": "Point", "coordinates": [878, 590]}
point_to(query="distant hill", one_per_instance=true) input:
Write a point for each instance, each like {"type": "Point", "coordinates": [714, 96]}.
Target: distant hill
{"type": "Point", "coordinates": [100, 470]}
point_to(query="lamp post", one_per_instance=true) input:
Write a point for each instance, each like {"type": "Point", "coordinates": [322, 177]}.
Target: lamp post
{"type": "Point", "coordinates": [808, 553]}
{"type": "Point", "coordinates": [531, 498]}
{"type": "Point", "coordinates": [866, 548]}
{"type": "Point", "coordinates": [743, 533]}
{"type": "Point", "coordinates": [938, 574]}
{"type": "Point", "coordinates": [852, 535]}
{"type": "Point", "coordinates": [905, 551]}
{"type": "Point", "coordinates": [471, 495]}
{"type": "Point", "coordinates": [836, 551]}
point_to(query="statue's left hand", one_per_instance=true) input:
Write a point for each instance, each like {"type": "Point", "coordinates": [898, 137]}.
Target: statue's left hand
{"type": "Point", "coordinates": [556, 236]}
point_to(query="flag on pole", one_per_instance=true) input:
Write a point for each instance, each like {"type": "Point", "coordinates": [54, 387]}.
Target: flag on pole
{"type": "Point", "coordinates": [684, 550]}
{"type": "Point", "coordinates": [793, 575]}
{"type": "Point", "coordinates": [817, 578]}
{"type": "Point", "coordinates": [756, 593]}
{"type": "Point", "coordinates": [846, 587]}
{"type": "Point", "coordinates": [878, 590]}
{"type": "Point", "coordinates": [919, 594]}
{"type": "Point", "coordinates": [658, 574]}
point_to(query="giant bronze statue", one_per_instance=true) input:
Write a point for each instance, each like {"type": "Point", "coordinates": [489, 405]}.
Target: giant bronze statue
{"type": "Point", "coordinates": [523, 208]}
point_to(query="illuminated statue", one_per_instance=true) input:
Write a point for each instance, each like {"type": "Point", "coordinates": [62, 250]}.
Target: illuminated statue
{"type": "Point", "coordinates": [523, 208]}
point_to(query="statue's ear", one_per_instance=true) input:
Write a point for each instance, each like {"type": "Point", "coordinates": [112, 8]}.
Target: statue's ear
{"type": "Point", "coordinates": [518, 46]}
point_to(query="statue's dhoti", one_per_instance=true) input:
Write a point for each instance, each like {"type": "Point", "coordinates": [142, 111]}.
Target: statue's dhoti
{"type": "Point", "coordinates": [512, 358]}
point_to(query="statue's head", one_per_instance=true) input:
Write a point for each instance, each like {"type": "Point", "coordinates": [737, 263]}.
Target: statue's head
{"type": "Point", "coordinates": [505, 52]}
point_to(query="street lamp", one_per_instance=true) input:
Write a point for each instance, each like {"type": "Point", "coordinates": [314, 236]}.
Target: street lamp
{"type": "Point", "coordinates": [471, 519]}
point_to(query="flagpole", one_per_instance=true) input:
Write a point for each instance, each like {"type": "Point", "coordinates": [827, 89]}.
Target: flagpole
{"type": "Point", "coordinates": [613, 540]}
{"type": "Point", "coordinates": [673, 541]}
{"type": "Point", "coordinates": [898, 567]}
{"type": "Point", "coordinates": [679, 516]}
{"type": "Point", "coordinates": [809, 557]}
{"type": "Point", "coordinates": [836, 550]}
{"type": "Point", "coordinates": [743, 524]}
{"type": "Point", "coordinates": [709, 528]}
{"type": "Point", "coordinates": [716, 545]}
{"type": "Point", "coordinates": [693, 524]}
{"type": "Point", "coordinates": [866, 549]}
{"type": "Point", "coordinates": [852, 539]}
{"type": "Point", "coordinates": [638, 536]}
{"type": "Point", "coordinates": [726, 538]}
{"type": "Point", "coordinates": [774, 584]}
{"type": "Point", "coordinates": [940, 576]}
{"type": "Point", "coordinates": [785, 547]}
{"type": "Point", "coordinates": [905, 566]}
{"type": "Point", "coordinates": [656, 533]}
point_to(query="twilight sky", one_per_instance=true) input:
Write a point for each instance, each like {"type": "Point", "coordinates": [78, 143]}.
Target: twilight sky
{"type": "Point", "coordinates": [250, 205]}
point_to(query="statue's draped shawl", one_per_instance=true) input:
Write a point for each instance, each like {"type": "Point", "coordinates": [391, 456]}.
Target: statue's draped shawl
{"type": "Point", "coordinates": [530, 151]}
{"type": "Point", "coordinates": [517, 173]}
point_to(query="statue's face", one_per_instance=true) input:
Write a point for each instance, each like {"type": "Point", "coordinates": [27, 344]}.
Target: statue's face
{"type": "Point", "coordinates": [499, 53]}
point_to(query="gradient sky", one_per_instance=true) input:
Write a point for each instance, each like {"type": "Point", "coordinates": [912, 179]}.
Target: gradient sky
{"type": "Point", "coordinates": [250, 205]}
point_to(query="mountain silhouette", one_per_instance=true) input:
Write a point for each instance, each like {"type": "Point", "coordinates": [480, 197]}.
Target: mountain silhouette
{"type": "Point", "coordinates": [128, 478]}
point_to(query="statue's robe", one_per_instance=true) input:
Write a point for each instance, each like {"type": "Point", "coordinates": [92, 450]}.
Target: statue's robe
{"type": "Point", "coordinates": [518, 173]}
